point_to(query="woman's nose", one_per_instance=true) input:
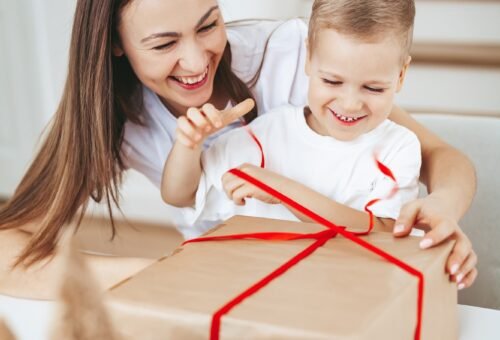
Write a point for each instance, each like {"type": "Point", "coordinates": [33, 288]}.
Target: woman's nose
{"type": "Point", "coordinates": [193, 58]}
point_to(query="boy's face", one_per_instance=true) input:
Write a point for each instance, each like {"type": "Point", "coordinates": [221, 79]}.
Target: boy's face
{"type": "Point", "coordinates": [352, 83]}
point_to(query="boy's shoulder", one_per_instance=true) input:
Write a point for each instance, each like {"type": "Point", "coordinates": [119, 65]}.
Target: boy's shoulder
{"type": "Point", "coordinates": [396, 136]}
{"type": "Point", "coordinates": [397, 130]}
{"type": "Point", "coordinates": [280, 115]}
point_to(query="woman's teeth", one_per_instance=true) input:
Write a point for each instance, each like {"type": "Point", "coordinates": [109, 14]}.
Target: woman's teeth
{"type": "Point", "coordinates": [192, 80]}
{"type": "Point", "coordinates": [346, 119]}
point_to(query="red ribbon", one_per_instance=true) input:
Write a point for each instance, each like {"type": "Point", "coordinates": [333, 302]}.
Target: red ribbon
{"type": "Point", "coordinates": [321, 238]}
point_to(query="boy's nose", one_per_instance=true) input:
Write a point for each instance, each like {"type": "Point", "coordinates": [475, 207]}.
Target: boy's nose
{"type": "Point", "coordinates": [351, 103]}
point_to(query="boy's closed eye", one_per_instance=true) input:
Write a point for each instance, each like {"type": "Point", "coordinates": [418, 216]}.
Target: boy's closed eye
{"type": "Point", "coordinates": [338, 83]}
{"type": "Point", "coordinates": [374, 89]}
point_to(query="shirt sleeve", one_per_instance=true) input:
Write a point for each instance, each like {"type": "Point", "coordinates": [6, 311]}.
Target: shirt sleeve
{"type": "Point", "coordinates": [228, 151]}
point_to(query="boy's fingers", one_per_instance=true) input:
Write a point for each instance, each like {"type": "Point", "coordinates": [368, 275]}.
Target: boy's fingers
{"type": "Point", "coordinates": [468, 280]}
{"type": "Point", "coordinates": [237, 111]}
{"type": "Point", "coordinates": [184, 125]}
{"type": "Point", "coordinates": [197, 118]}
{"type": "Point", "coordinates": [213, 115]}
{"type": "Point", "coordinates": [240, 194]}
{"type": "Point", "coordinates": [441, 232]}
{"type": "Point", "coordinates": [230, 184]}
{"type": "Point", "coordinates": [406, 218]}
{"type": "Point", "coordinates": [461, 251]}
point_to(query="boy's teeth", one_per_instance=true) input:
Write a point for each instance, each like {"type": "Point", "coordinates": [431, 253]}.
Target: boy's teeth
{"type": "Point", "coordinates": [344, 118]}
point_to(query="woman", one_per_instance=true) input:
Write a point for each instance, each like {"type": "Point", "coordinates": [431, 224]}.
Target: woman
{"type": "Point", "coordinates": [135, 66]}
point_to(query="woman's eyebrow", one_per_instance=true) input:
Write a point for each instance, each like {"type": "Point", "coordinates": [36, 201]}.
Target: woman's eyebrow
{"type": "Point", "coordinates": [206, 15]}
{"type": "Point", "coordinates": [175, 34]}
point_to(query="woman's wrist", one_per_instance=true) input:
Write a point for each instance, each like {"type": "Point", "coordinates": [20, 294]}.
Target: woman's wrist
{"type": "Point", "coordinates": [448, 204]}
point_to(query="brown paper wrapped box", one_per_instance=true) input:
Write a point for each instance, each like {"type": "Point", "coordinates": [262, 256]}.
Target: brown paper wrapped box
{"type": "Point", "coordinates": [341, 291]}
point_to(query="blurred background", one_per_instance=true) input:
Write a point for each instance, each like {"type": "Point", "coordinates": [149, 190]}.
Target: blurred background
{"type": "Point", "coordinates": [453, 86]}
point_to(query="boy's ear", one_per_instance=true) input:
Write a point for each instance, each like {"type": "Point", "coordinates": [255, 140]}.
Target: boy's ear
{"type": "Point", "coordinates": [308, 66]}
{"type": "Point", "coordinates": [402, 73]}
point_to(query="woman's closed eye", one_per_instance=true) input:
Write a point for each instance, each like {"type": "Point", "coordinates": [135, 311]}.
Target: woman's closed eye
{"type": "Point", "coordinates": [165, 46]}
{"type": "Point", "coordinates": [208, 27]}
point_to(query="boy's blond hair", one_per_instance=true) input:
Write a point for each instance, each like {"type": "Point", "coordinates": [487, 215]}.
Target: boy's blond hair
{"type": "Point", "coordinates": [367, 20]}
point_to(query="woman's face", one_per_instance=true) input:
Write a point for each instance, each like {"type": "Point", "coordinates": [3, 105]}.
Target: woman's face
{"type": "Point", "coordinates": [174, 48]}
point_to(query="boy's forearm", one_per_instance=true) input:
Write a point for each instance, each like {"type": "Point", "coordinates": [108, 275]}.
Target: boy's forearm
{"type": "Point", "coordinates": [181, 175]}
{"type": "Point", "coordinates": [327, 208]}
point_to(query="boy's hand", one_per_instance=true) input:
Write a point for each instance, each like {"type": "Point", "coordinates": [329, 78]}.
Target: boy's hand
{"type": "Point", "coordinates": [238, 189]}
{"type": "Point", "coordinates": [198, 124]}
{"type": "Point", "coordinates": [429, 212]}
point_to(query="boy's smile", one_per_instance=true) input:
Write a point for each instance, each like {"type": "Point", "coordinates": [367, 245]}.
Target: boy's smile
{"type": "Point", "coordinates": [352, 82]}
{"type": "Point", "coordinates": [347, 120]}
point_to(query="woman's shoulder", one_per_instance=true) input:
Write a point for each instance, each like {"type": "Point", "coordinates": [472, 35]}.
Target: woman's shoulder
{"type": "Point", "coordinates": [255, 33]}
{"type": "Point", "coordinates": [251, 41]}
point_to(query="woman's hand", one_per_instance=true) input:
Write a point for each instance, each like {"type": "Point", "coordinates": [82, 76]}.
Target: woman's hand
{"type": "Point", "coordinates": [432, 213]}
{"type": "Point", "coordinates": [198, 124]}
{"type": "Point", "coordinates": [238, 189]}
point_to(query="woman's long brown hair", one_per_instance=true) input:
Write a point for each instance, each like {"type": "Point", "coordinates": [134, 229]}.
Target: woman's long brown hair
{"type": "Point", "coordinates": [79, 157]}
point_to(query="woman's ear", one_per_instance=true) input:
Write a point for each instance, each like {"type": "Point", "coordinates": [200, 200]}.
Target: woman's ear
{"type": "Point", "coordinates": [117, 50]}
{"type": "Point", "coordinates": [402, 73]}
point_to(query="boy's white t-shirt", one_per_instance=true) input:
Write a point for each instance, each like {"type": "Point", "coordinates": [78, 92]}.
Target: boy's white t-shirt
{"type": "Point", "coordinates": [344, 171]}
{"type": "Point", "coordinates": [282, 81]}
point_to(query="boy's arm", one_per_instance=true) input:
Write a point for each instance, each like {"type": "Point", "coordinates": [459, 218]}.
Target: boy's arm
{"type": "Point", "coordinates": [181, 175]}
{"type": "Point", "coordinates": [238, 189]}
{"type": "Point", "coordinates": [331, 210]}
{"type": "Point", "coordinates": [182, 170]}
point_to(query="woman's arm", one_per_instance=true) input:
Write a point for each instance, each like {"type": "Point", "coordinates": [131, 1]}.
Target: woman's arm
{"type": "Point", "coordinates": [451, 182]}
{"type": "Point", "coordinates": [448, 174]}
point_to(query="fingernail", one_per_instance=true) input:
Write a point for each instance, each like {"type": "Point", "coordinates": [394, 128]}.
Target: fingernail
{"type": "Point", "coordinates": [461, 286]}
{"type": "Point", "coordinates": [399, 228]}
{"type": "Point", "coordinates": [454, 269]}
{"type": "Point", "coordinates": [425, 243]}
{"type": "Point", "coordinates": [460, 277]}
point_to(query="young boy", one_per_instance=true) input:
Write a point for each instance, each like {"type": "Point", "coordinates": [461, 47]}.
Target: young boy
{"type": "Point", "coordinates": [322, 155]}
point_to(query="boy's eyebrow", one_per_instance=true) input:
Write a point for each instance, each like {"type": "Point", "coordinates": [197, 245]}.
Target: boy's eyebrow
{"type": "Point", "coordinates": [332, 74]}
{"type": "Point", "coordinates": [175, 34]}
